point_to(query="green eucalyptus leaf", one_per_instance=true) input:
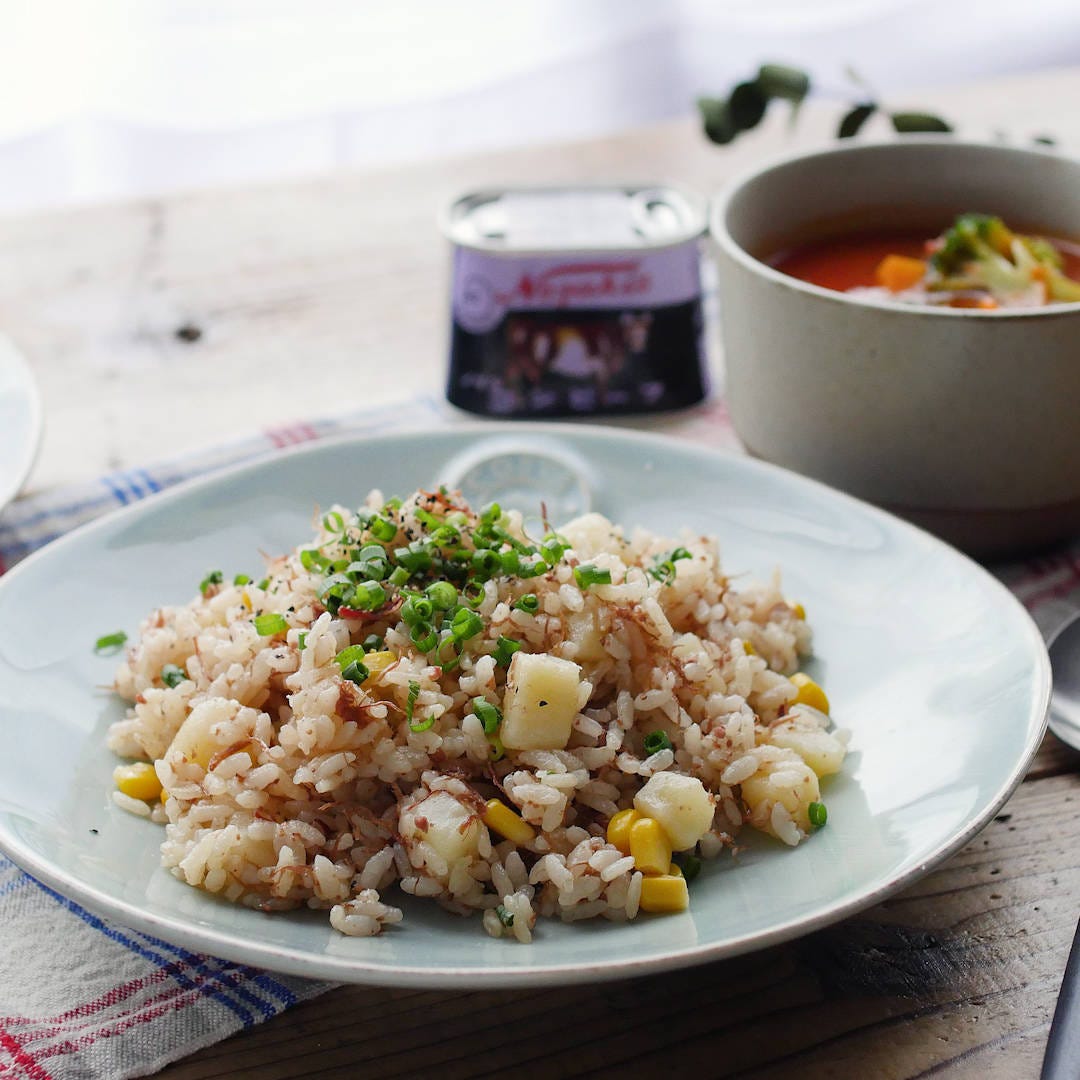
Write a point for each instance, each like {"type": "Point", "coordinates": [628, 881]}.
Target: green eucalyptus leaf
{"type": "Point", "coordinates": [908, 123]}
{"type": "Point", "coordinates": [716, 120]}
{"type": "Point", "coordinates": [747, 105]}
{"type": "Point", "coordinates": [781, 81]}
{"type": "Point", "coordinates": [853, 120]}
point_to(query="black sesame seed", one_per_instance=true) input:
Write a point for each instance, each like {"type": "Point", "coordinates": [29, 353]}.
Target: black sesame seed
{"type": "Point", "coordinates": [188, 333]}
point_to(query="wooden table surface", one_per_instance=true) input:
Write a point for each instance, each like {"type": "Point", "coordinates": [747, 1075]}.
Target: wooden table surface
{"type": "Point", "coordinates": [161, 326]}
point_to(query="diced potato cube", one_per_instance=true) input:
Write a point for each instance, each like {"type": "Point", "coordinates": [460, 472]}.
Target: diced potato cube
{"type": "Point", "coordinates": [448, 825]}
{"type": "Point", "coordinates": [590, 534]}
{"type": "Point", "coordinates": [540, 703]}
{"type": "Point", "coordinates": [680, 804]}
{"type": "Point", "coordinates": [206, 731]}
{"type": "Point", "coordinates": [820, 749]}
{"type": "Point", "coordinates": [790, 782]}
{"type": "Point", "coordinates": [582, 630]}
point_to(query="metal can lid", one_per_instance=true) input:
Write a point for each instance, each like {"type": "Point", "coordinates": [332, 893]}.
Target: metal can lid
{"type": "Point", "coordinates": [601, 218]}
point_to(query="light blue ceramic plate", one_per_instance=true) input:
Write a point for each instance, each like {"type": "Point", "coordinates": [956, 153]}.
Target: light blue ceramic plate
{"type": "Point", "coordinates": [935, 668]}
{"type": "Point", "coordinates": [20, 421]}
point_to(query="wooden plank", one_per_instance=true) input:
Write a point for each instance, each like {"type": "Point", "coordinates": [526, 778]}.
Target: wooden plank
{"type": "Point", "coordinates": [957, 976]}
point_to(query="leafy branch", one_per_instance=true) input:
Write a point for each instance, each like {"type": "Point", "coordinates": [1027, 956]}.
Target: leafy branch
{"type": "Point", "coordinates": [745, 107]}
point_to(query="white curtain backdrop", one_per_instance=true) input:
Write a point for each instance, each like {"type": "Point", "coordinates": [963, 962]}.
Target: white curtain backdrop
{"type": "Point", "coordinates": [106, 99]}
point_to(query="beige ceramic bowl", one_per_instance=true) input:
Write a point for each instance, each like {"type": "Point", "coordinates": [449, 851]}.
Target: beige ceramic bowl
{"type": "Point", "coordinates": [967, 422]}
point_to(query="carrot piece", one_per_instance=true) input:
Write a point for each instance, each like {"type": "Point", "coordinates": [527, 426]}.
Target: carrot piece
{"type": "Point", "coordinates": [899, 272]}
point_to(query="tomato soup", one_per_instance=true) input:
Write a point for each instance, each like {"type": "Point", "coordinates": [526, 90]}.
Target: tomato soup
{"type": "Point", "coordinates": [849, 261]}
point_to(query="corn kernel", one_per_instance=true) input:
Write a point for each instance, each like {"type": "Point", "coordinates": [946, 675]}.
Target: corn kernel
{"type": "Point", "coordinates": [674, 870]}
{"type": "Point", "coordinates": [498, 816]}
{"type": "Point", "coordinates": [809, 693]}
{"type": "Point", "coordinates": [664, 893]}
{"type": "Point", "coordinates": [798, 611]}
{"type": "Point", "coordinates": [139, 780]}
{"type": "Point", "coordinates": [245, 598]}
{"type": "Point", "coordinates": [748, 648]}
{"type": "Point", "coordinates": [378, 662]}
{"type": "Point", "coordinates": [164, 796]}
{"type": "Point", "coordinates": [650, 846]}
{"type": "Point", "coordinates": [618, 829]}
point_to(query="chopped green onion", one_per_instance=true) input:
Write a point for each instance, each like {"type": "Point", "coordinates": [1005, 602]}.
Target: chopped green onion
{"type": "Point", "coordinates": [529, 603]}
{"type": "Point", "coordinates": [818, 814]}
{"type": "Point", "coordinates": [488, 715]}
{"type": "Point", "coordinates": [490, 513]}
{"type": "Point", "coordinates": [504, 649]}
{"type": "Point", "coordinates": [554, 547]}
{"type": "Point", "coordinates": [270, 624]}
{"type": "Point", "coordinates": [426, 518]}
{"type": "Point", "coordinates": [172, 676]}
{"type": "Point", "coordinates": [348, 655]}
{"type": "Point", "coordinates": [415, 724]}
{"type": "Point", "coordinates": [213, 577]}
{"type": "Point", "coordinates": [373, 643]}
{"type": "Point", "coordinates": [301, 640]}
{"type": "Point", "coordinates": [241, 579]}
{"type": "Point", "coordinates": [333, 522]}
{"type": "Point", "coordinates": [333, 590]}
{"type": "Point", "coordinates": [424, 637]}
{"type": "Point", "coordinates": [381, 528]}
{"type": "Point", "coordinates": [263, 584]}
{"type": "Point", "coordinates": [511, 562]}
{"type": "Point", "coordinates": [498, 751]}
{"type": "Point", "coordinates": [372, 567]}
{"type": "Point", "coordinates": [444, 535]}
{"type": "Point", "coordinates": [398, 576]}
{"type": "Point", "coordinates": [367, 596]}
{"type": "Point", "coordinates": [465, 624]}
{"type": "Point", "coordinates": [473, 593]}
{"type": "Point", "coordinates": [486, 563]}
{"type": "Point", "coordinates": [392, 504]}
{"type": "Point", "coordinates": [442, 595]}
{"type": "Point", "coordinates": [504, 916]}
{"type": "Point", "coordinates": [587, 574]}
{"type": "Point", "coordinates": [110, 642]}
{"type": "Point", "coordinates": [355, 672]}
{"type": "Point", "coordinates": [533, 569]}
{"type": "Point", "coordinates": [415, 558]}
{"type": "Point", "coordinates": [663, 570]}
{"type": "Point", "coordinates": [688, 863]}
{"type": "Point", "coordinates": [313, 559]}
{"type": "Point", "coordinates": [416, 610]}
{"type": "Point", "coordinates": [656, 741]}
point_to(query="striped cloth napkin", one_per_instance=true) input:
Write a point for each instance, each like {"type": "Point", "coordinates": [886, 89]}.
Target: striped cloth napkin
{"type": "Point", "coordinates": [81, 997]}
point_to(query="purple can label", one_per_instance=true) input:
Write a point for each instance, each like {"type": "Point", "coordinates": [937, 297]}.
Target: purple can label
{"type": "Point", "coordinates": [564, 334]}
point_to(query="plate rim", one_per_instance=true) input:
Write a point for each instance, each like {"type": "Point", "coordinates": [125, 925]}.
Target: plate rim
{"type": "Point", "coordinates": [228, 945]}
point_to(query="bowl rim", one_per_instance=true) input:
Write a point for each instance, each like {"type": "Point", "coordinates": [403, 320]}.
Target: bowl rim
{"type": "Point", "coordinates": [721, 235]}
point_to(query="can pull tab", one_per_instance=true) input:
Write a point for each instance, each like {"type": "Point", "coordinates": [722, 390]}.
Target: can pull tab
{"type": "Point", "coordinates": [530, 474]}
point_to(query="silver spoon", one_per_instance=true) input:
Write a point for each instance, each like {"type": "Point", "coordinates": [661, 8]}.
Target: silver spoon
{"type": "Point", "coordinates": [1062, 1060]}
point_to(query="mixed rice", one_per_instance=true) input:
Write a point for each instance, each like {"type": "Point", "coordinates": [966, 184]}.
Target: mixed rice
{"type": "Point", "coordinates": [426, 696]}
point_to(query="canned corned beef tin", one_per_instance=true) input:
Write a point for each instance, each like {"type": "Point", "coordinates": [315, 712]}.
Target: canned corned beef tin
{"type": "Point", "coordinates": [576, 301]}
